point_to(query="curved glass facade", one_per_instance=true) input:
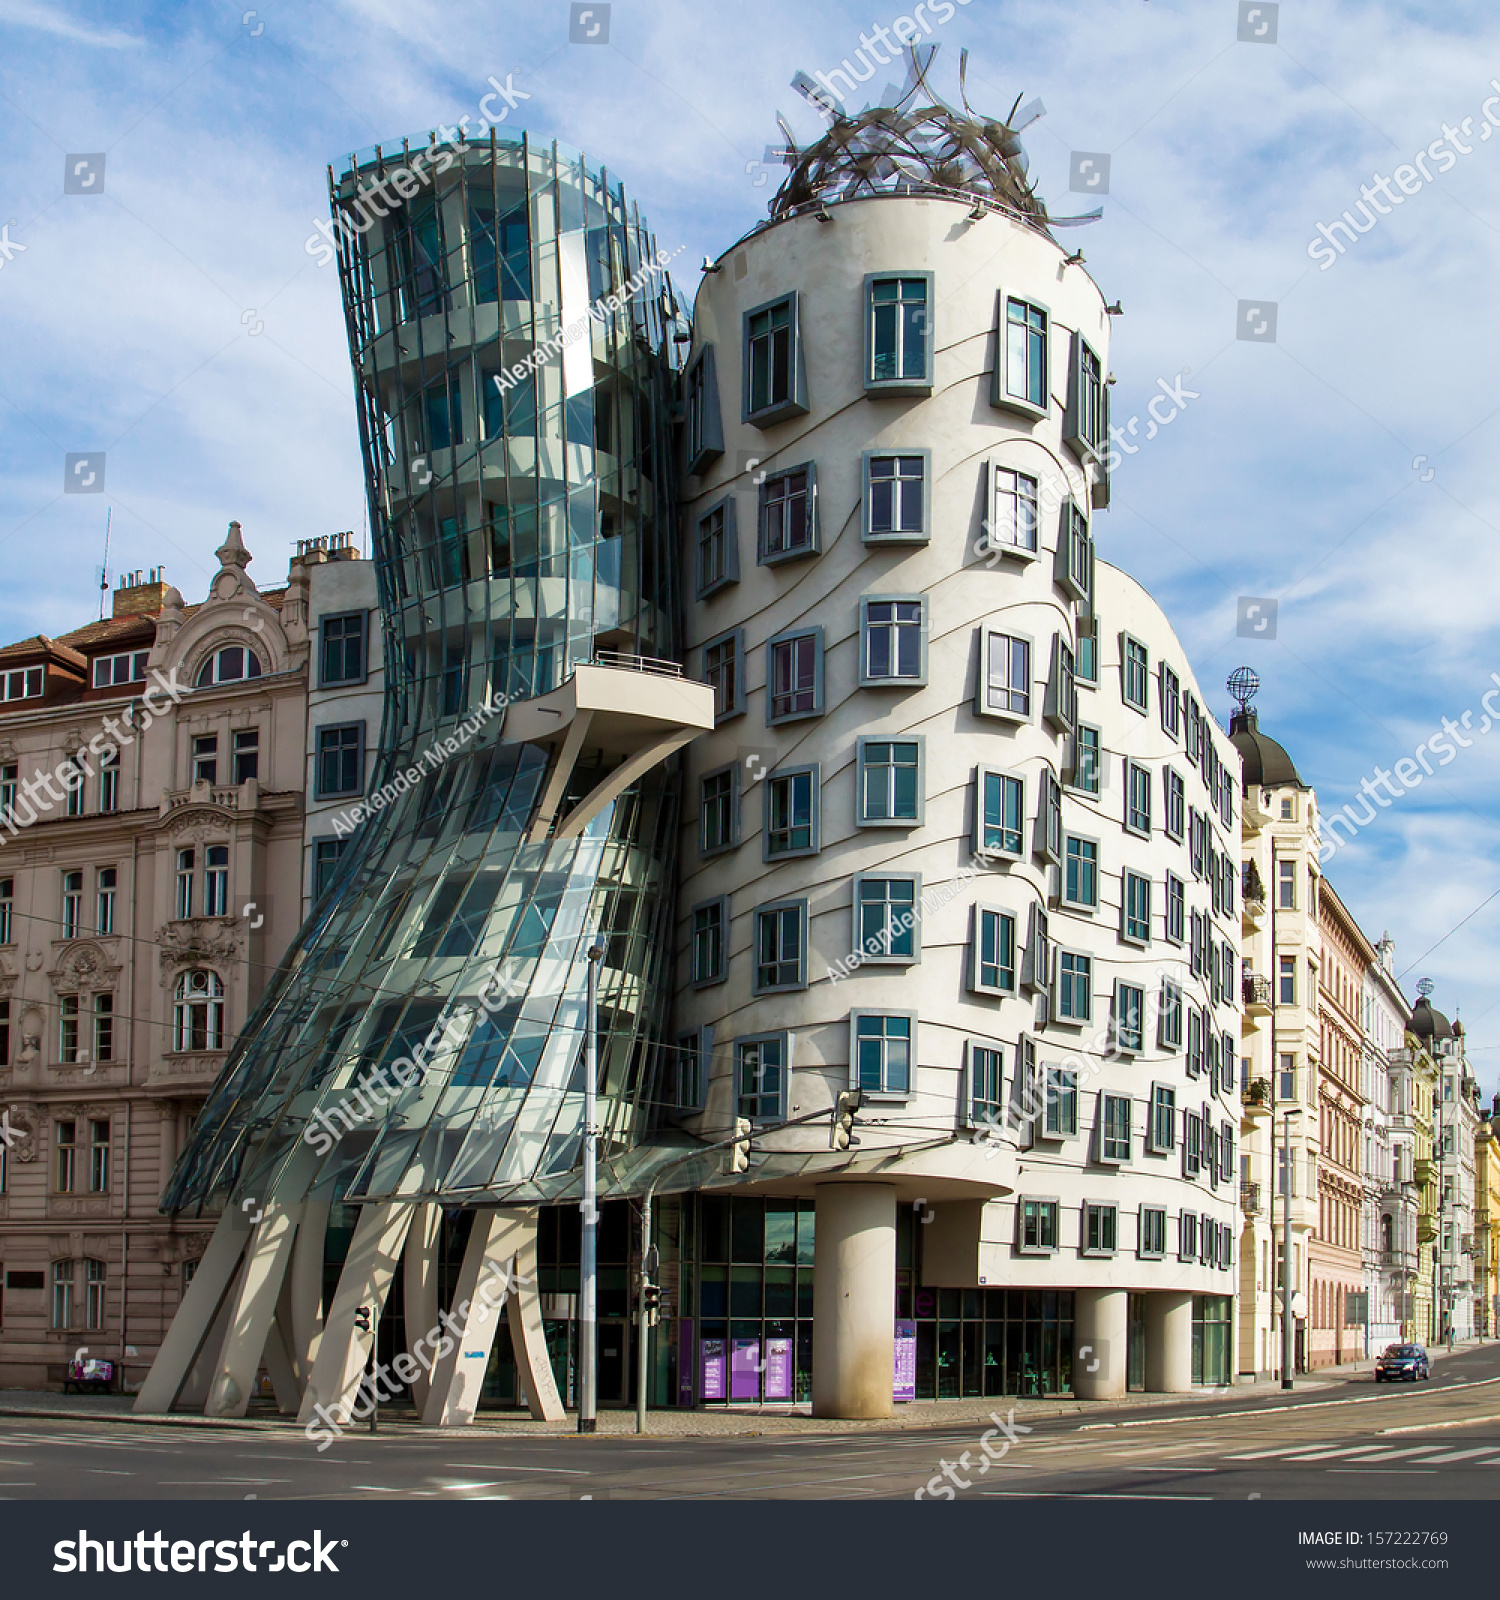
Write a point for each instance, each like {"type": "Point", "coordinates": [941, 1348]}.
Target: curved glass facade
{"type": "Point", "coordinates": [422, 1037]}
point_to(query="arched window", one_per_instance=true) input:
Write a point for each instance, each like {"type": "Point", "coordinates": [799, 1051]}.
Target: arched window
{"type": "Point", "coordinates": [228, 665]}
{"type": "Point", "coordinates": [199, 1011]}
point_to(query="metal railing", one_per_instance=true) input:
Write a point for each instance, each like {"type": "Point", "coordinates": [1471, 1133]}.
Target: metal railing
{"type": "Point", "coordinates": [620, 658]}
{"type": "Point", "coordinates": [1256, 989]}
{"type": "Point", "coordinates": [1250, 1197]}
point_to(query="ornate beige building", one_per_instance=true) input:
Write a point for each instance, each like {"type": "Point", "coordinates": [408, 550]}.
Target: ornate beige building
{"type": "Point", "coordinates": [152, 775]}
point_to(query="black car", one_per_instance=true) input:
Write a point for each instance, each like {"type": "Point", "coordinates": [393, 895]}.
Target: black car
{"type": "Point", "coordinates": [1403, 1361]}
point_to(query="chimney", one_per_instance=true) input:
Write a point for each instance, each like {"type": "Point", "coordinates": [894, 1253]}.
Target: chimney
{"type": "Point", "coordinates": [140, 594]}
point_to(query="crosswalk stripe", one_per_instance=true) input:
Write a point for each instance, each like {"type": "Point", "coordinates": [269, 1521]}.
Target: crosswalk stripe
{"type": "Point", "coordinates": [1392, 1455]}
{"type": "Point", "coordinates": [1328, 1455]}
{"type": "Point", "coordinates": [1261, 1455]}
{"type": "Point", "coordinates": [1462, 1455]}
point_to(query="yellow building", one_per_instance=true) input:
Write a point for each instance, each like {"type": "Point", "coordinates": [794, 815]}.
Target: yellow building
{"type": "Point", "coordinates": [1487, 1225]}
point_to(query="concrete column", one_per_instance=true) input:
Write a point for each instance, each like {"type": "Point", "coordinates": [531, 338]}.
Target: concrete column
{"type": "Point", "coordinates": [302, 1326]}
{"type": "Point", "coordinates": [1100, 1331]}
{"type": "Point", "coordinates": [419, 1277]}
{"type": "Point", "coordinates": [854, 1301]}
{"type": "Point", "coordinates": [1169, 1341]}
{"type": "Point", "coordinates": [259, 1288]}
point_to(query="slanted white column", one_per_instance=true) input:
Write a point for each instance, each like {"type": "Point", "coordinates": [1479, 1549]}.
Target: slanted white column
{"type": "Point", "coordinates": [195, 1316]}
{"type": "Point", "coordinates": [527, 1338]}
{"type": "Point", "coordinates": [283, 1374]}
{"type": "Point", "coordinates": [854, 1301]}
{"type": "Point", "coordinates": [1169, 1341]}
{"type": "Point", "coordinates": [302, 1326]}
{"type": "Point", "coordinates": [254, 1305]}
{"type": "Point", "coordinates": [420, 1289]}
{"type": "Point", "coordinates": [374, 1253]}
{"type": "Point", "coordinates": [1100, 1331]}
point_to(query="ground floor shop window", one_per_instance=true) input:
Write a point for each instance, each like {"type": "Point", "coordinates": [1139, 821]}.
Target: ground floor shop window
{"type": "Point", "coordinates": [1212, 1325]}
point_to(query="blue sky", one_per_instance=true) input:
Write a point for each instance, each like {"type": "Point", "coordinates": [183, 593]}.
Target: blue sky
{"type": "Point", "coordinates": [177, 323]}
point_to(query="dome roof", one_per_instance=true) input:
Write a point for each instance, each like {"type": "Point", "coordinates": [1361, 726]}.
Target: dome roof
{"type": "Point", "coordinates": [1429, 1023]}
{"type": "Point", "coordinates": [1267, 765]}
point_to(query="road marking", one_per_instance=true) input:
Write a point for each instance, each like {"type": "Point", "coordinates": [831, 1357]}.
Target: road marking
{"type": "Point", "coordinates": [508, 1466]}
{"type": "Point", "coordinates": [1384, 1472]}
{"type": "Point", "coordinates": [1432, 1427]}
{"type": "Point", "coordinates": [1328, 1455]}
{"type": "Point", "coordinates": [1462, 1455]}
{"type": "Point", "coordinates": [1411, 1450]}
{"type": "Point", "coordinates": [1058, 1494]}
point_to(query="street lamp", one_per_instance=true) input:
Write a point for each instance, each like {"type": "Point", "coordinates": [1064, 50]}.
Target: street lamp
{"type": "Point", "coordinates": [589, 1251]}
{"type": "Point", "coordinates": [1286, 1247]}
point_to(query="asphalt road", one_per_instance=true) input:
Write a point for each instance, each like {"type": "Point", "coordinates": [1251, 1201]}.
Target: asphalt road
{"type": "Point", "coordinates": [1353, 1440]}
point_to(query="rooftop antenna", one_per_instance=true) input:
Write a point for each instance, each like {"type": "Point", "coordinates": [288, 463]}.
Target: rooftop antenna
{"type": "Point", "coordinates": [104, 570]}
{"type": "Point", "coordinates": [1244, 685]}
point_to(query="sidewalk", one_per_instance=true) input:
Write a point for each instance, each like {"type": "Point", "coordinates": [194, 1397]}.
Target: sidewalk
{"type": "Point", "coordinates": [742, 1421]}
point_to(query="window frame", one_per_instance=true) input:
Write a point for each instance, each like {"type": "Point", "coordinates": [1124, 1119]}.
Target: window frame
{"type": "Point", "coordinates": [1073, 568]}
{"type": "Point", "coordinates": [737, 701]}
{"type": "Point", "coordinates": [868, 680]}
{"type": "Point", "coordinates": [1001, 396]}
{"type": "Point", "coordinates": [362, 617]}
{"type": "Point", "coordinates": [703, 436]}
{"type": "Point", "coordinates": [1132, 821]}
{"type": "Point", "coordinates": [1089, 444]}
{"type": "Point", "coordinates": [794, 404]}
{"type": "Point", "coordinates": [1076, 780]}
{"type": "Point", "coordinates": [1142, 1249]}
{"type": "Point", "coordinates": [885, 1095]}
{"type": "Point", "coordinates": [1169, 692]}
{"type": "Point", "coordinates": [1065, 896]}
{"type": "Point", "coordinates": [782, 1037]}
{"type": "Point", "coordinates": [1104, 1154]}
{"type": "Point", "coordinates": [705, 850]}
{"type": "Point", "coordinates": [1052, 1203]}
{"type": "Point", "coordinates": [971, 1118]}
{"type": "Point", "coordinates": [790, 636]}
{"type": "Point", "coordinates": [778, 908]}
{"type": "Point", "coordinates": [320, 792]}
{"type": "Point", "coordinates": [1173, 802]}
{"type": "Point", "coordinates": [1060, 702]}
{"type": "Point", "coordinates": [813, 771]}
{"type": "Point", "coordinates": [862, 745]}
{"type": "Point", "coordinates": [1161, 1120]}
{"type": "Point", "coordinates": [857, 943]}
{"type": "Point", "coordinates": [1144, 704]}
{"type": "Point", "coordinates": [1071, 1018]}
{"type": "Point", "coordinates": [1102, 1211]}
{"type": "Point", "coordinates": [977, 985]}
{"type": "Point", "coordinates": [868, 535]}
{"type": "Point", "coordinates": [1129, 879]}
{"type": "Point", "coordinates": [706, 586]}
{"type": "Point", "coordinates": [1127, 1038]}
{"type": "Point", "coordinates": [982, 706]}
{"type": "Point", "coordinates": [988, 852]}
{"type": "Point", "coordinates": [994, 545]}
{"type": "Point", "coordinates": [1169, 1011]}
{"type": "Point", "coordinates": [1059, 1090]}
{"type": "Point", "coordinates": [720, 903]}
{"type": "Point", "coordinates": [900, 386]}
{"type": "Point", "coordinates": [765, 557]}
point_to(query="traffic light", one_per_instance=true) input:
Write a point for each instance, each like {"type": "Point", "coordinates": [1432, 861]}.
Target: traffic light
{"type": "Point", "coordinates": [841, 1133]}
{"type": "Point", "coordinates": [739, 1151]}
{"type": "Point", "coordinates": [651, 1301]}
{"type": "Point", "coordinates": [362, 1318]}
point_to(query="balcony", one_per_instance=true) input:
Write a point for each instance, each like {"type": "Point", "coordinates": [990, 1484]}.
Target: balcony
{"type": "Point", "coordinates": [226, 796]}
{"type": "Point", "coordinates": [1423, 1171]}
{"type": "Point", "coordinates": [191, 1072]}
{"type": "Point", "coordinates": [1256, 992]}
{"type": "Point", "coordinates": [1256, 1095]}
{"type": "Point", "coordinates": [1250, 1198]}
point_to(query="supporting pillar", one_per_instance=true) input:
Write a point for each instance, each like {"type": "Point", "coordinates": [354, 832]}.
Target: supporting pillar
{"type": "Point", "coordinates": [1100, 1334]}
{"type": "Point", "coordinates": [255, 1298]}
{"type": "Point", "coordinates": [283, 1374]}
{"type": "Point", "coordinates": [343, 1351]}
{"type": "Point", "coordinates": [195, 1316]}
{"type": "Point", "coordinates": [419, 1269]}
{"type": "Point", "coordinates": [1169, 1341]}
{"type": "Point", "coordinates": [501, 1245]}
{"type": "Point", "coordinates": [303, 1324]}
{"type": "Point", "coordinates": [854, 1301]}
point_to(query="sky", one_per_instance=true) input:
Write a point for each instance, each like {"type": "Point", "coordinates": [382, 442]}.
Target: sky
{"type": "Point", "coordinates": [1333, 456]}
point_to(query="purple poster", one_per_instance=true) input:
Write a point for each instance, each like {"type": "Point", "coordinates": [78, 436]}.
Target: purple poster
{"type": "Point", "coordinates": [685, 1395]}
{"type": "Point", "coordinates": [778, 1369]}
{"type": "Point", "coordinates": [744, 1370]}
{"type": "Point", "coordinates": [713, 1365]}
{"type": "Point", "coordinates": [906, 1361]}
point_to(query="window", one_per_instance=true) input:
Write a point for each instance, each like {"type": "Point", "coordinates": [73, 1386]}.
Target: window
{"type": "Point", "coordinates": [23, 684]}
{"type": "Point", "coordinates": [896, 498]}
{"type": "Point", "coordinates": [228, 665]}
{"type": "Point", "coordinates": [1162, 1129]}
{"type": "Point", "coordinates": [1038, 1226]}
{"type": "Point", "coordinates": [1060, 1120]}
{"type": "Point", "coordinates": [788, 515]}
{"type": "Point", "coordinates": [205, 758]}
{"type": "Point", "coordinates": [1129, 1017]}
{"type": "Point", "coordinates": [73, 786]}
{"type": "Point", "coordinates": [62, 1294]}
{"type": "Point", "coordinates": [791, 814]}
{"type": "Point", "coordinates": [1288, 809]}
{"type": "Point", "coordinates": [1088, 650]}
{"type": "Point", "coordinates": [1021, 373]}
{"type": "Point", "coordinates": [1100, 1227]}
{"type": "Point", "coordinates": [326, 854]}
{"type": "Point", "coordinates": [687, 1074]}
{"type": "Point", "coordinates": [1169, 1016]}
{"type": "Point", "coordinates": [1013, 521]}
{"type": "Point", "coordinates": [67, 1032]}
{"type": "Point", "coordinates": [893, 641]}
{"type": "Point", "coordinates": [1085, 428]}
{"type": "Point", "coordinates": [993, 960]}
{"type": "Point", "coordinates": [246, 742]}
{"type": "Point", "coordinates": [72, 904]}
{"type": "Point", "coordinates": [121, 669]}
{"type": "Point", "coordinates": [881, 1046]}
{"type": "Point", "coordinates": [899, 333]}
{"type": "Point", "coordinates": [216, 880]}
{"type": "Point", "coordinates": [65, 1171]}
{"type": "Point", "coordinates": [1001, 813]}
{"type": "Point", "coordinates": [774, 386]}
{"type": "Point", "coordinates": [718, 548]}
{"type": "Point", "coordinates": [7, 910]}
{"type": "Point", "coordinates": [1081, 873]}
{"type": "Point", "coordinates": [705, 424]}
{"type": "Point", "coordinates": [1286, 1078]}
{"type": "Point", "coordinates": [199, 1011]}
{"type": "Point", "coordinates": [109, 782]}
{"type": "Point", "coordinates": [718, 812]}
{"type": "Point", "coordinates": [890, 781]}
{"type": "Point", "coordinates": [986, 1084]}
{"type": "Point", "coordinates": [1174, 813]}
{"type": "Point", "coordinates": [341, 657]}
{"type": "Point", "coordinates": [1187, 1236]}
{"type": "Point", "coordinates": [1062, 686]}
{"type": "Point", "coordinates": [1170, 692]}
{"type": "Point", "coordinates": [781, 947]}
{"type": "Point", "coordinates": [1136, 924]}
{"type": "Point", "coordinates": [723, 670]}
{"type": "Point", "coordinates": [99, 1155]}
{"type": "Point", "coordinates": [760, 1071]}
{"type": "Point", "coordinates": [1287, 966]}
{"type": "Point", "coordinates": [105, 880]}
{"type": "Point", "coordinates": [4, 1062]}
{"type": "Point", "coordinates": [1114, 1127]}
{"type": "Point", "coordinates": [794, 677]}
{"type": "Point", "coordinates": [886, 919]}
{"type": "Point", "coordinates": [1005, 676]}
{"type": "Point", "coordinates": [1192, 1144]}
{"type": "Point", "coordinates": [1286, 1171]}
{"type": "Point", "coordinates": [1138, 798]}
{"type": "Point", "coordinates": [1049, 841]}
{"type": "Point", "coordinates": [710, 931]}
{"type": "Point", "coordinates": [341, 760]}
{"type": "Point", "coordinates": [1152, 1241]}
{"type": "Point", "coordinates": [9, 777]}
{"type": "Point", "coordinates": [1286, 885]}
{"type": "Point", "coordinates": [1036, 971]}
{"type": "Point", "coordinates": [1134, 672]}
{"type": "Point", "coordinates": [184, 905]}
{"type": "Point", "coordinates": [1075, 983]}
{"type": "Point", "coordinates": [1075, 554]}
{"type": "Point", "coordinates": [1193, 1062]}
{"type": "Point", "coordinates": [1086, 759]}
{"type": "Point", "coordinates": [94, 1272]}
